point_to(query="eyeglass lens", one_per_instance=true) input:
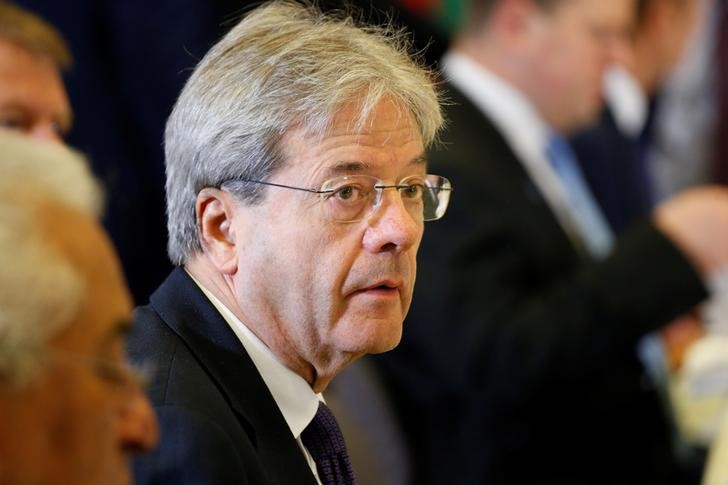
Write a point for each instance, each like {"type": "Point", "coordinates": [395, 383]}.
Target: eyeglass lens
{"type": "Point", "coordinates": [352, 198]}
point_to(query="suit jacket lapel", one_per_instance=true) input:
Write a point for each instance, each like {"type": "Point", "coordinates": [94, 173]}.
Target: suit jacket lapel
{"type": "Point", "coordinates": [188, 312]}
{"type": "Point", "coordinates": [500, 175]}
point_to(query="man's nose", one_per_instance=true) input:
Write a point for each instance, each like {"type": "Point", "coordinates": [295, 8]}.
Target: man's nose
{"type": "Point", "coordinates": [391, 226]}
{"type": "Point", "coordinates": [138, 430]}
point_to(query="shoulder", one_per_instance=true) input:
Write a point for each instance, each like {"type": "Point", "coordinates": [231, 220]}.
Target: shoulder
{"type": "Point", "coordinates": [179, 380]}
{"type": "Point", "coordinates": [198, 449]}
{"type": "Point", "coordinates": [203, 439]}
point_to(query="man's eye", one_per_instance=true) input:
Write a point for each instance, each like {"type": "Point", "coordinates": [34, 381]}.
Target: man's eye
{"type": "Point", "coordinates": [412, 191]}
{"type": "Point", "coordinates": [349, 193]}
{"type": "Point", "coordinates": [13, 122]}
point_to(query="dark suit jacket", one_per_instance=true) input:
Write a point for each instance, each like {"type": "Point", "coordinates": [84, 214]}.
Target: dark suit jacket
{"type": "Point", "coordinates": [614, 166]}
{"type": "Point", "coordinates": [518, 363]}
{"type": "Point", "coordinates": [219, 423]}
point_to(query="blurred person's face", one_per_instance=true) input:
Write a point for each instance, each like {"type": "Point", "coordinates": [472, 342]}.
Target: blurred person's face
{"type": "Point", "coordinates": [674, 21]}
{"type": "Point", "coordinates": [33, 100]}
{"type": "Point", "coordinates": [571, 46]}
{"type": "Point", "coordinates": [326, 292]}
{"type": "Point", "coordinates": [82, 418]}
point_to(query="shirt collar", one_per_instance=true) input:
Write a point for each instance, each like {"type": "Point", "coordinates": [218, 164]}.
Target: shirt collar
{"type": "Point", "coordinates": [509, 109]}
{"type": "Point", "coordinates": [627, 99]}
{"type": "Point", "coordinates": [293, 395]}
{"type": "Point", "coordinates": [520, 123]}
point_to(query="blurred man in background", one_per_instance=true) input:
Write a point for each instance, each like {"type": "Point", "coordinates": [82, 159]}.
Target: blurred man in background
{"type": "Point", "coordinates": [614, 154]}
{"type": "Point", "coordinates": [71, 410]}
{"type": "Point", "coordinates": [523, 289]}
{"type": "Point", "coordinates": [32, 55]}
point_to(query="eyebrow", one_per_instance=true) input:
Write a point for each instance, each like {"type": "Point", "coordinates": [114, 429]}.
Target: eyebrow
{"type": "Point", "coordinates": [347, 167]}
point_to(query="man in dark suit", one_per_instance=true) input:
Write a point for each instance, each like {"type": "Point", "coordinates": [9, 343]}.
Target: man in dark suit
{"type": "Point", "coordinates": [613, 153]}
{"type": "Point", "coordinates": [519, 351]}
{"type": "Point", "coordinates": [297, 193]}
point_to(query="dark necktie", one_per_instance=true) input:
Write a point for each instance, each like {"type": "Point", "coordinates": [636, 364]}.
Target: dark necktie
{"type": "Point", "coordinates": [324, 441]}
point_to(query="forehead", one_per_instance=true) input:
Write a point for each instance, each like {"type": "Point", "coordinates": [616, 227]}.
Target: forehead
{"type": "Point", "coordinates": [616, 13]}
{"type": "Point", "coordinates": [106, 304]}
{"type": "Point", "coordinates": [30, 81]}
{"type": "Point", "coordinates": [386, 139]}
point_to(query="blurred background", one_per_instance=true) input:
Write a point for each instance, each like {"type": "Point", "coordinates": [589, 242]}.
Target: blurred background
{"type": "Point", "coordinates": [132, 57]}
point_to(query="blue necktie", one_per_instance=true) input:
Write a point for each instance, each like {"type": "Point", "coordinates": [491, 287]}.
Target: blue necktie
{"type": "Point", "coordinates": [324, 441]}
{"type": "Point", "coordinates": [588, 219]}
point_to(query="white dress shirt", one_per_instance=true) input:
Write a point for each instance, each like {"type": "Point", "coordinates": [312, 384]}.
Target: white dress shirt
{"type": "Point", "coordinates": [520, 124]}
{"type": "Point", "coordinates": [293, 395]}
{"type": "Point", "coordinates": [627, 100]}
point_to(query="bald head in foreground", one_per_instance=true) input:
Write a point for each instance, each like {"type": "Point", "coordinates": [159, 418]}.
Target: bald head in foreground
{"type": "Point", "coordinates": [71, 410]}
{"type": "Point", "coordinates": [297, 193]}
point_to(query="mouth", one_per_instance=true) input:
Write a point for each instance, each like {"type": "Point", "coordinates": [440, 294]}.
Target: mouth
{"type": "Point", "coordinates": [386, 287]}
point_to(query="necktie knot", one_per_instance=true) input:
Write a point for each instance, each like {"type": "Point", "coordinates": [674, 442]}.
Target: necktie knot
{"type": "Point", "coordinates": [324, 441]}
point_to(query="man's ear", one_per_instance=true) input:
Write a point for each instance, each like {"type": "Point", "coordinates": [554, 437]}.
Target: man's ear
{"type": "Point", "coordinates": [215, 210]}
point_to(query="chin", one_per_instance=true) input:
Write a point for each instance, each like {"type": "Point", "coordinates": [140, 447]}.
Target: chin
{"type": "Point", "coordinates": [386, 341]}
{"type": "Point", "coordinates": [374, 337]}
{"type": "Point", "coordinates": [384, 347]}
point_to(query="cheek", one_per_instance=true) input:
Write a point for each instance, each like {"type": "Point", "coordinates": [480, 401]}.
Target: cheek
{"type": "Point", "coordinates": [83, 433]}
{"type": "Point", "coordinates": [306, 274]}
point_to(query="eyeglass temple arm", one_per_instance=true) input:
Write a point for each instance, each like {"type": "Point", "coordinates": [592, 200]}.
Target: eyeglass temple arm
{"type": "Point", "coordinates": [302, 189]}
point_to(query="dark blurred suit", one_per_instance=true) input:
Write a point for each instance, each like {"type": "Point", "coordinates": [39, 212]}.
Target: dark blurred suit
{"type": "Point", "coordinates": [219, 423]}
{"type": "Point", "coordinates": [614, 166]}
{"type": "Point", "coordinates": [518, 359]}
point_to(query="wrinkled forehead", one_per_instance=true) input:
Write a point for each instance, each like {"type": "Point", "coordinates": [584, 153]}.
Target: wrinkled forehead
{"type": "Point", "coordinates": [611, 12]}
{"type": "Point", "coordinates": [387, 143]}
{"type": "Point", "coordinates": [369, 123]}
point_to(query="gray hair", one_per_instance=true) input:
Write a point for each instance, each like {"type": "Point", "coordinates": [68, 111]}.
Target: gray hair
{"type": "Point", "coordinates": [40, 291]}
{"type": "Point", "coordinates": [285, 65]}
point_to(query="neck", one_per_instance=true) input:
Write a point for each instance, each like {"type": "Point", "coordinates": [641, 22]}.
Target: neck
{"type": "Point", "coordinates": [646, 65]}
{"type": "Point", "coordinates": [313, 364]}
{"type": "Point", "coordinates": [499, 59]}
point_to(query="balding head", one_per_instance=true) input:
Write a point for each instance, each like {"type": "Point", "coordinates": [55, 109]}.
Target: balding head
{"type": "Point", "coordinates": [35, 178]}
{"type": "Point", "coordinates": [67, 399]}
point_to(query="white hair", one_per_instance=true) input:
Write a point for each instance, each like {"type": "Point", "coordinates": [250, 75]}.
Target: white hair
{"type": "Point", "coordinates": [40, 291]}
{"type": "Point", "coordinates": [285, 65]}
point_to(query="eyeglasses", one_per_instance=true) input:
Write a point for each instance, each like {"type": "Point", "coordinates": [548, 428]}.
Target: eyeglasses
{"type": "Point", "coordinates": [352, 198]}
{"type": "Point", "coordinates": [122, 376]}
